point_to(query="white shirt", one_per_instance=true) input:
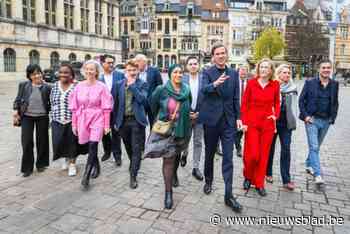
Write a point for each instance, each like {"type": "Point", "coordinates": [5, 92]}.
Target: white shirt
{"type": "Point", "coordinates": [143, 75]}
{"type": "Point", "coordinates": [194, 86]}
{"type": "Point", "coordinates": [109, 81]}
{"type": "Point", "coordinates": [240, 87]}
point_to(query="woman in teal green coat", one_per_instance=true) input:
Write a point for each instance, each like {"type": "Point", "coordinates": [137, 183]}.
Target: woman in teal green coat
{"type": "Point", "coordinates": [172, 101]}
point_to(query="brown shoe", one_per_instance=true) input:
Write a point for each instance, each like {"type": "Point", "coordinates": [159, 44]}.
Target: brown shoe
{"type": "Point", "coordinates": [290, 186]}
{"type": "Point", "coordinates": [269, 179]}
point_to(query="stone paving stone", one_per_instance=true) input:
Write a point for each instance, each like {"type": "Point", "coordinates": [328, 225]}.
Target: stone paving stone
{"type": "Point", "coordinates": [68, 222]}
{"type": "Point", "coordinates": [135, 226]}
{"type": "Point", "coordinates": [150, 215]}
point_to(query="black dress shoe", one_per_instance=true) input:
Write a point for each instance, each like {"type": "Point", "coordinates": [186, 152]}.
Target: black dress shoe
{"type": "Point", "coordinates": [233, 204]}
{"type": "Point", "coordinates": [133, 182]}
{"type": "Point", "coordinates": [105, 157]}
{"type": "Point", "coordinates": [118, 160]}
{"type": "Point", "coordinates": [207, 188]}
{"type": "Point", "coordinates": [41, 169]}
{"type": "Point", "coordinates": [175, 181]}
{"type": "Point", "coordinates": [26, 174]}
{"type": "Point", "coordinates": [197, 174]}
{"type": "Point", "coordinates": [96, 170]}
{"type": "Point", "coordinates": [261, 192]}
{"type": "Point", "coordinates": [183, 160]}
{"type": "Point", "coordinates": [246, 184]}
{"type": "Point", "coordinates": [168, 200]}
{"type": "Point", "coordinates": [86, 176]}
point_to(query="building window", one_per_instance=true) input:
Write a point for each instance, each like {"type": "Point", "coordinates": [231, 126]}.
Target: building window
{"type": "Point", "coordinates": [72, 57]}
{"type": "Point", "coordinates": [152, 27]}
{"type": "Point", "coordinates": [160, 61]}
{"type": "Point", "coordinates": [132, 46]}
{"type": "Point", "coordinates": [166, 61]}
{"type": "Point", "coordinates": [28, 10]}
{"type": "Point", "coordinates": [125, 27]}
{"type": "Point", "coordinates": [50, 12]}
{"type": "Point", "coordinates": [9, 60]}
{"type": "Point", "coordinates": [174, 44]}
{"type": "Point", "coordinates": [255, 35]}
{"type": "Point", "coordinates": [234, 36]}
{"type": "Point", "coordinates": [173, 59]}
{"type": "Point", "coordinates": [87, 57]}
{"type": "Point", "coordinates": [132, 25]}
{"type": "Point", "coordinates": [159, 43]}
{"type": "Point", "coordinates": [98, 16]}
{"type": "Point", "coordinates": [344, 32]}
{"type": "Point", "coordinates": [167, 26]}
{"type": "Point", "coordinates": [174, 24]}
{"type": "Point", "coordinates": [110, 19]}
{"type": "Point", "coordinates": [84, 15]}
{"type": "Point", "coordinates": [159, 24]}
{"type": "Point", "coordinates": [54, 60]}
{"type": "Point", "coordinates": [342, 50]}
{"type": "Point", "coordinates": [166, 43]}
{"type": "Point", "coordinates": [34, 57]}
{"type": "Point", "coordinates": [68, 14]}
{"type": "Point", "coordinates": [5, 8]}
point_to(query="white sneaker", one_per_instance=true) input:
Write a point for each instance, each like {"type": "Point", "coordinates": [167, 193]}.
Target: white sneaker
{"type": "Point", "coordinates": [72, 170]}
{"type": "Point", "coordinates": [64, 164]}
{"type": "Point", "coordinates": [310, 170]}
{"type": "Point", "coordinates": [319, 180]}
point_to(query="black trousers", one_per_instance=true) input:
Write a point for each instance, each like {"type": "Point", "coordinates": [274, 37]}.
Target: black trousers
{"type": "Point", "coordinates": [112, 143]}
{"type": "Point", "coordinates": [226, 134]}
{"type": "Point", "coordinates": [131, 132]}
{"type": "Point", "coordinates": [238, 140]}
{"type": "Point", "coordinates": [41, 125]}
{"type": "Point", "coordinates": [93, 150]}
{"type": "Point", "coordinates": [64, 143]}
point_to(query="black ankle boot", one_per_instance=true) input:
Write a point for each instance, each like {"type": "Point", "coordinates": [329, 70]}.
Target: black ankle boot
{"type": "Point", "coordinates": [168, 201]}
{"type": "Point", "coordinates": [86, 177]}
{"type": "Point", "coordinates": [96, 170]}
{"type": "Point", "coordinates": [175, 181]}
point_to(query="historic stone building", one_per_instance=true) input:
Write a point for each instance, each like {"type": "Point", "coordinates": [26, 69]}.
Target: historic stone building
{"type": "Point", "coordinates": [49, 31]}
{"type": "Point", "coordinates": [248, 18]}
{"type": "Point", "coordinates": [342, 43]}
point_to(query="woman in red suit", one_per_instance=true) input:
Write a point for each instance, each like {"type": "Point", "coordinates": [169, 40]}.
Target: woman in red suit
{"type": "Point", "coordinates": [259, 111]}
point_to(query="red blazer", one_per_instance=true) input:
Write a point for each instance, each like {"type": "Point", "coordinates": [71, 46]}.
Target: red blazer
{"type": "Point", "coordinates": [258, 103]}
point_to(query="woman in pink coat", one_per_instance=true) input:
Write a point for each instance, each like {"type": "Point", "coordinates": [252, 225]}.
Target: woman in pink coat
{"type": "Point", "coordinates": [91, 104]}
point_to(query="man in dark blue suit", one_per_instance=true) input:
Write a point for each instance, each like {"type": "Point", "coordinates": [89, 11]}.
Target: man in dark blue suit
{"type": "Point", "coordinates": [220, 115]}
{"type": "Point", "coordinates": [153, 78]}
{"type": "Point", "coordinates": [318, 104]}
{"type": "Point", "coordinates": [129, 116]}
{"type": "Point", "coordinates": [111, 142]}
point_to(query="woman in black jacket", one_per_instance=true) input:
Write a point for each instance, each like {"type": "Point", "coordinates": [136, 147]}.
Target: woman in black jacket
{"type": "Point", "coordinates": [32, 106]}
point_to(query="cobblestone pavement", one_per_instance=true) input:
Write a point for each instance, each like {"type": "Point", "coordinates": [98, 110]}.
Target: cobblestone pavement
{"type": "Point", "coordinates": [52, 202]}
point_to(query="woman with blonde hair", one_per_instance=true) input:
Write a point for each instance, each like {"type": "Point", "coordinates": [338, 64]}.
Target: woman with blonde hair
{"type": "Point", "coordinates": [285, 125]}
{"type": "Point", "coordinates": [91, 104]}
{"type": "Point", "coordinates": [259, 111]}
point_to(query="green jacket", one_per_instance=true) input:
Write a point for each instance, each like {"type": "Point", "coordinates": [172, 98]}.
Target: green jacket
{"type": "Point", "coordinates": [159, 106]}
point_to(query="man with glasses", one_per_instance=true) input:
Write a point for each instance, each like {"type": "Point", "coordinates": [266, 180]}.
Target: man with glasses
{"type": "Point", "coordinates": [111, 142]}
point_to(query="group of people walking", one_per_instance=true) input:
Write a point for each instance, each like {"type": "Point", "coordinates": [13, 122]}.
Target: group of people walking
{"type": "Point", "coordinates": [217, 104]}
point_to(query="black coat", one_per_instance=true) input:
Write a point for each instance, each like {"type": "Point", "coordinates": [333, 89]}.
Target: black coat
{"type": "Point", "coordinates": [25, 90]}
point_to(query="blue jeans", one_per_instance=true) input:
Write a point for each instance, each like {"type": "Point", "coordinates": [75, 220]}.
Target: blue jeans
{"type": "Point", "coordinates": [316, 132]}
{"type": "Point", "coordinates": [285, 136]}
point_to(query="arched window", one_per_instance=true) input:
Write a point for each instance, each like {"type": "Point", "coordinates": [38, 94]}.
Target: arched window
{"type": "Point", "coordinates": [87, 57]}
{"type": "Point", "coordinates": [160, 61]}
{"type": "Point", "coordinates": [9, 60]}
{"type": "Point", "coordinates": [34, 57]}
{"type": "Point", "coordinates": [54, 60]}
{"type": "Point", "coordinates": [166, 61]}
{"type": "Point", "coordinates": [72, 57]}
{"type": "Point", "coordinates": [173, 59]}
